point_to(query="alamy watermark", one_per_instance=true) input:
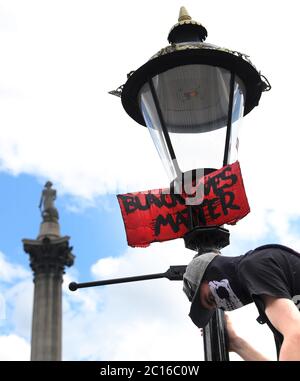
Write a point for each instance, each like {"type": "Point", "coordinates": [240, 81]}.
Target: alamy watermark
{"type": "Point", "coordinates": [188, 184]}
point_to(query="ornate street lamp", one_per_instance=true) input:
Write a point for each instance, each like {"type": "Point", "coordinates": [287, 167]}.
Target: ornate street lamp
{"type": "Point", "coordinates": [191, 96]}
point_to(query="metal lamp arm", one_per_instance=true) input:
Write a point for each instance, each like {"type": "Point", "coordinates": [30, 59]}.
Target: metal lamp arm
{"type": "Point", "coordinates": [173, 273]}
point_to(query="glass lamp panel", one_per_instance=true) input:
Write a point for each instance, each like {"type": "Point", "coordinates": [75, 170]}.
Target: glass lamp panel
{"type": "Point", "coordinates": [237, 117]}
{"type": "Point", "coordinates": [153, 123]}
{"type": "Point", "coordinates": [193, 102]}
{"type": "Point", "coordinates": [204, 150]}
{"type": "Point", "coordinates": [193, 98]}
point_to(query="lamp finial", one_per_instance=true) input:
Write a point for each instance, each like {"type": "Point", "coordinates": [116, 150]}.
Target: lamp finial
{"type": "Point", "coordinates": [186, 29]}
{"type": "Point", "coordinates": [184, 14]}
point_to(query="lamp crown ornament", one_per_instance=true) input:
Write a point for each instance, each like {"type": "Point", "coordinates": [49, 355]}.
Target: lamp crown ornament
{"type": "Point", "coordinates": [186, 29]}
{"type": "Point", "coordinates": [187, 47]}
{"type": "Point", "coordinates": [183, 14]}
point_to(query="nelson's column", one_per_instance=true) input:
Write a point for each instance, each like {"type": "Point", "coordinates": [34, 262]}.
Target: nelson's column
{"type": "Point", "coordinates": [49, 253]}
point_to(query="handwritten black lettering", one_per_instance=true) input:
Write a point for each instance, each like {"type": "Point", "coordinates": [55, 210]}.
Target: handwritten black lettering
{"type": "Point", "coordinates": [226, 201]}
{"type": "Point", "coordinates": [220, 202]}
{"type": "Point", "coordinates": [128, 203]}
{"type": "Point", "coordinates": [170, 221]}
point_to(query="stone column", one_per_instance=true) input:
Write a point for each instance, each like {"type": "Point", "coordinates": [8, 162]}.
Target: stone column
{"type": "Point", "coordinates": [48, 254]}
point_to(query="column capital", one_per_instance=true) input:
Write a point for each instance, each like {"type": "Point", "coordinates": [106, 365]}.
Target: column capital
{"type": "Point", "coordinates": [49, 256]}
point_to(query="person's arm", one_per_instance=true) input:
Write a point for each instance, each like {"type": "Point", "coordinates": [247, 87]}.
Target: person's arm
{"type": "Point", "coordinates": [285, 317]}
{"type": "Point", "coordinates": [240, 346]}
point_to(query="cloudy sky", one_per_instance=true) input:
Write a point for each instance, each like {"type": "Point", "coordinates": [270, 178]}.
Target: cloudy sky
{"type": "Point", "coordinates": [58, 60]}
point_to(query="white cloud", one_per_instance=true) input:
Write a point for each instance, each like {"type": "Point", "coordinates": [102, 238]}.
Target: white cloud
{"type": "Point", "coordinates": [19, 305]}
{"type": "Point", "coordinates": [64, 125]}
{"type": "Point", "coordinates": [106, 266]}
{"type": "Point", "coordinates": [16, 292]}
{"type": "Point", "coordinates": [14, 348]}
{"type": "Point", "coordinates": [88, 300]}
{"type": "Point", "coordinates": [10, 272]}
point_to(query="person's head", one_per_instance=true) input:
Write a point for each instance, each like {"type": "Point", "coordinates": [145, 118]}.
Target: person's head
{"type": "Point", "coordinates": [198, 291]}
{"type": "Point", "coordinates": [207, 299]}
{"type": "Point", "coordinates": [48, 184]}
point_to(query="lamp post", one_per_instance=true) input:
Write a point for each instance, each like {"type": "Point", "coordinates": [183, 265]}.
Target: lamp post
{"type": "Point", "coordinates": [191, 96]}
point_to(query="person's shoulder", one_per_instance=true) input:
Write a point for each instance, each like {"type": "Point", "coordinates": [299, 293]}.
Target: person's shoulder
{"type": "Point", "coordinates": [263, 256]}
{"type": "Point", "coordinates": [250, 261]}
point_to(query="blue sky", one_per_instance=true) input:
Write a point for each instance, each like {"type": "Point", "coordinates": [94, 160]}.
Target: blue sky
{"type": "Point", "coordinates": [96, 231]}
{"type": "Point", "coordinates": [58, 123]}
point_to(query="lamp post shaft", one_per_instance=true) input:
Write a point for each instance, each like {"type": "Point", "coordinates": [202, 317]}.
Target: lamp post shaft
{"type": "Point", "coordinates": [214, 338]}
{"type": "Point", "coordinates": [206, 239]}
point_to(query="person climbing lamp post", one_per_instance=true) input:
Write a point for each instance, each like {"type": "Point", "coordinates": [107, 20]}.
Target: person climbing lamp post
{"type": "Point", "coordinates": [190, 96]}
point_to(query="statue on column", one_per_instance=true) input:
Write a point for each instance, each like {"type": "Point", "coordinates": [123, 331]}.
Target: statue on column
{"type": "Point", "coordinates": [48, 211]}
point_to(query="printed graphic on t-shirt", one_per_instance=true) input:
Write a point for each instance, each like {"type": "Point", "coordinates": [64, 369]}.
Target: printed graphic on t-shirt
{"type": "Point", "coordinates": [224, 296]}
{"type": "Point", "coordinates": [296, 300]}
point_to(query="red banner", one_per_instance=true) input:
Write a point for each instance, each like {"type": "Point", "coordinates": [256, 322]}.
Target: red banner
{"type": "Point", "coordinates": [157, 215]}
